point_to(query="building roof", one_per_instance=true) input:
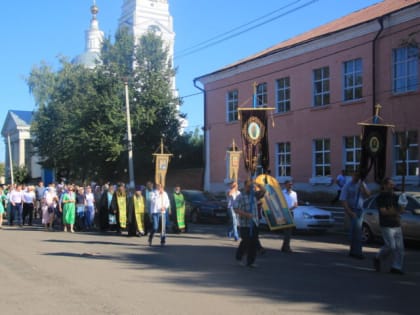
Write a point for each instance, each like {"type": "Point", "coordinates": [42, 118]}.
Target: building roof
{"type": "Point", "coordinates": [362, 16]}
{"type": "Point", "coordinates": [21, 117]}
{"type": "Point", "coordinates": [16, 119]}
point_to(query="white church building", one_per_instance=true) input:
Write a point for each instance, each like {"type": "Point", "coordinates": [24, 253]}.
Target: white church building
{"type": "Point", "coordinates": [139, 16]}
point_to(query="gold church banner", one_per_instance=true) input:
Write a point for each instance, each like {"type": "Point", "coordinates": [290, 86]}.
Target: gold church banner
{"type": "Point", "coordinates": [162, 162]}
{"type": "Point", "coordinates": [234, 158]}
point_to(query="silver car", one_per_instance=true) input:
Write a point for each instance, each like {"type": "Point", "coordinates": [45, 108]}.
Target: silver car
{"type": "Point", "coordinates": [410, 219]}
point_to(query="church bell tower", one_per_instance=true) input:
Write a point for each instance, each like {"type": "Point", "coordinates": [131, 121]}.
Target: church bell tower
{"type": "Point", "coordinates": [140, 16]}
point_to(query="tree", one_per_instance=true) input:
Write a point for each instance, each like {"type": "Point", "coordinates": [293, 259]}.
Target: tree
{"type": "Point", "coordinates": [153, 106]}
{"type": "Point", "coordinates": [188, 151]}
{"type": "Point", "coordinates": [20, 174]}
{"type": "Point", "coordinates": [80, 125]}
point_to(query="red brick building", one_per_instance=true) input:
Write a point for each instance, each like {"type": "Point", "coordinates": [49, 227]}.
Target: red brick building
{"type": "Point", "coordinates": [322, 84]}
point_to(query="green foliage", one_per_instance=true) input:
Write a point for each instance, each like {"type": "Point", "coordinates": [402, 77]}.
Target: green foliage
{"type": "Point", "coordinates": [188, 151]}
{"type": "Point", "coordinates": [80, 123]}
{"type": "Point", "coordinates": [20, 174]}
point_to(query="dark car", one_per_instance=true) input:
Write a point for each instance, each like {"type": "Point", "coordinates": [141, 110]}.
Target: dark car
{"type": "Point", "coordinates": [410, 219]}
{"type": "Point", "coordinates": [201, 206]}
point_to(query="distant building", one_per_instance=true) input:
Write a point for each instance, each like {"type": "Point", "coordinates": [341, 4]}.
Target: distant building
{"type": "Point", "coordinates": [142, 16]}
{"type": "Point", "coordinates": [94, 39]}
{"type": "Point", "coordinates": [16, 132]}
{"type": "Point", "coordinates": [322, 83]}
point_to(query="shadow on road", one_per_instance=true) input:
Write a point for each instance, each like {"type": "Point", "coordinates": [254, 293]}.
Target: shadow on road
{"type": "Point", "coordinates": [322, 275]}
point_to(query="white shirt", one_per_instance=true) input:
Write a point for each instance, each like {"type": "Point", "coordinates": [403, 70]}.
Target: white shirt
{"type": "Point", "coordinates": [90, 199]}
{"type": "Point", "coordinates": [15, 196]}
{"type": "Point", "coordinates": [50, 196]}
{"type": "Point", "coordinates": [159, 202]}
{"type": "Point", "coordinates": [291, 198]}
{"type": "Point", "coordinates": [29, 196]}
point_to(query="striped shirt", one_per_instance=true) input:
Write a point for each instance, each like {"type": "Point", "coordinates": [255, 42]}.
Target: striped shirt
{"type": "Point", "coordinates": [247, 203]}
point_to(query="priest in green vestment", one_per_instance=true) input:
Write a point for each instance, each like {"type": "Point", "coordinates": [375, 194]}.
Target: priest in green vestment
{"type": "Point", "coordinates": [119, 205]}
{"type": "Point", "coordinates": [178, 202]}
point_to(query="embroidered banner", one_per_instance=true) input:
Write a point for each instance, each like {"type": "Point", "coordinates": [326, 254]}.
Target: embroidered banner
{"type": "Point", "coordinates": [255, 138]}
{"type": "Point", "coordinates": [234, 157]}
{"type": "Point", "coordinates": [373, 154]}
{"type": "Point", "coordinates": [162, 162]}
{"type": "Point", "coordinates": [274, 205]}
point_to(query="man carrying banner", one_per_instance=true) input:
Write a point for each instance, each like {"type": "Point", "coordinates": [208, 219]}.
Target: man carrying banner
{"type": "Point", "coordinates": [352, 197]}
{"type": "Point", "coordinates": [159, 205]}
{"type": "Point", "coordinates": [246, 208]}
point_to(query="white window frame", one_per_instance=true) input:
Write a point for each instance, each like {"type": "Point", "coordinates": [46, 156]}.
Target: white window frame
{"type": "Point", "coordinates": [412, 153]}
{"type": "Point", "coordinates": [405, 64]}
{"type": "Point", "coordinates": [321, 86]}
{"type": "Point", "coordinates": [353, 79]}
{"type": "Point", "coordinates": [261, 95]}
{"type": "Point", "coordinates": [355, 151]}
{"type": "Point", "coordinates": [283, 160]}
{"type": "Point", "coordinates": [283, 95]}
{"type": "Point", "coordinates": [232, 105]}
{"type": "Point", "coordinates": [325, 151]}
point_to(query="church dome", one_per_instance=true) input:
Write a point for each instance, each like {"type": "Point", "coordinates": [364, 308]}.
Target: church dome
{"type": "Point", "coordinates": [89, 59]}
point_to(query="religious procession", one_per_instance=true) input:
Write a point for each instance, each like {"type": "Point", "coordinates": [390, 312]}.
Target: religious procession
{"type": "Point", "coordinates": [143, 210]}
{"type": "Point", "coordinates": [148, 210]}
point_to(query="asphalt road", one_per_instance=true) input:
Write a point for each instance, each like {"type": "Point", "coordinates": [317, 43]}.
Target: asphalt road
{"type": "Point", "coordinates": [195, 273]}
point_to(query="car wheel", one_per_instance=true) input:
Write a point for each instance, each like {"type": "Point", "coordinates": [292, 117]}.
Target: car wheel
{"type": "Point", "coordinates": [367, 236]}
{"type": "Point", "coordinates": [194, 217]}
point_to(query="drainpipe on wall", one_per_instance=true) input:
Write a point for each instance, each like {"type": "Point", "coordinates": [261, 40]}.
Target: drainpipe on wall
{"type": "Point", "coordinates": [381, 23]}
{"type": "Point", "coordinates": [206, 174]}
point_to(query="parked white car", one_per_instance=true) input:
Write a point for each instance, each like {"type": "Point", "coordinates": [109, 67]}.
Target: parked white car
{"type": "Point", "coordinates": [310, 218]}
{"type": "Point", "coordinates": [307, 217]}
{"type": "Point", "coordinates": [410, 219]}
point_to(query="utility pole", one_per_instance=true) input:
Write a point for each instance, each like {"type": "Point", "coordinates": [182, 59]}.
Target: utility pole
{"type": "Point", "coordinates": [10, 159]}
{"type": "Point", "coordinates": [129, 137]}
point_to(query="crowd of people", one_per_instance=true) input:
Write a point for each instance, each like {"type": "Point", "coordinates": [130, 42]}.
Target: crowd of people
{"type": "Point", "coordinates": [137, 211]}
{"type": "Point", "coordinates": [147, 210]}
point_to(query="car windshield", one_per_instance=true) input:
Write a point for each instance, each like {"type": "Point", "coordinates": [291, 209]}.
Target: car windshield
{"type": "Point", "coordinates": [413, 202]}
{"type": "Point", "coordinates": [417, 198]}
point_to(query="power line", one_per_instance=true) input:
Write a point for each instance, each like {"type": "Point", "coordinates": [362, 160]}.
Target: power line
{"type": "Point", "coordinates": [181, 52]}
{"type": "Point", "coordinates": [225, 36]}
{"type": "Point", "coordinates": [280, 70]}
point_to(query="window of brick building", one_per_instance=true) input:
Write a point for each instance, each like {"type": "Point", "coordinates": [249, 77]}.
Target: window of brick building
{"type": "Point", "coordinates": [352, 152]}
{"type": "Point", "coordinates": [283, 95]}
{"type": "Point", "coordinates": [353, 80]}
{"type": "Point", "coordinates": [410, 154]}
{"type": "Point", "coordinates": [261, 95]}
{"type": "Point", "coordinates": [322, 157]}
{"type": "Point", "coordinates": [232, 105]}
{"type": "Point", "coordinates": [321, 80]}
{"type": "Point", "coordinates": [283, 159]}
{"type": "Point", "coordinates": [405, 69]}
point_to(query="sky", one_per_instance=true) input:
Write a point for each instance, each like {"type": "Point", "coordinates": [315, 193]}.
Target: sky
{"type": "Point", "coordinates": [43, 30]}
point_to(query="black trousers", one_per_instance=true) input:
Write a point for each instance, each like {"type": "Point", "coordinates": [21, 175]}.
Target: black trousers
{"type": "Point", "coordinates": [248, 244]}
{"type": "Point", "coordinates": [28, 210]}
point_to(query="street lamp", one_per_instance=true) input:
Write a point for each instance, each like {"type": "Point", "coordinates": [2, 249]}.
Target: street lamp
{"type": "Point", "coordinates": [129, 137]}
